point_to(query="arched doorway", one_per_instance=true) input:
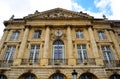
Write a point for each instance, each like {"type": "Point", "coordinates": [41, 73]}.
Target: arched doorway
{"type": "Point", "coordinates": [27, 76]}
{"type": "Point", "coordinates": [58, 56]}
{"type": "Point", "coordinates": [88, 76]}
{"type": "Point", "coordinates": [57, 76]}
{"type": "Point", "coordinates": [115, 76]}
{"type": "Point", "coordinates": [3, 77]}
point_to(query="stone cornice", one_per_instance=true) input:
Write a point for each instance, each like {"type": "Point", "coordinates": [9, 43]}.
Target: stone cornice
{"type": "Point", "coordinates": [58, 13]}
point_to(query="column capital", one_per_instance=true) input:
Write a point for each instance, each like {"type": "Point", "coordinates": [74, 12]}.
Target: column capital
{"type": "Point", "coordinates": [28, 26]}
{"type": "Point", "coordinates": [48, 25]}
{"type": "Point", "coordinates": [90, 26]}
{"type": "Point", "coordinates": [68, 25]}
{"type": "Point", "coordinates": [6, 30]}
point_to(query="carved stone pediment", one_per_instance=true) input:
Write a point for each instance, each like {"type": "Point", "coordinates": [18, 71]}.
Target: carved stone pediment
{"type": "Point", "coordinates": [58, 13]}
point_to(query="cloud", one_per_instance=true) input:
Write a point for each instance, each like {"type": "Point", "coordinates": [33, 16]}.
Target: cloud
{"type": "Point", "coordinates": [78, 8]}
{"type": "Point", "coordinates": [109, 8]}
{"type": "Point", "coordinates": [42, 5]}
{"type": "Point", "coordinates": [115, 9]}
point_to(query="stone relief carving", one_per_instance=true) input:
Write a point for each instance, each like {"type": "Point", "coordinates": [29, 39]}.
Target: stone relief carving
{"type": "Point", "coordinates": [56, 15]}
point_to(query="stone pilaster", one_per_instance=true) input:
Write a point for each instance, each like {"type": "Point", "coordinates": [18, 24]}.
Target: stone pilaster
{"type": "Point", "coordinates": [44, 61]}
{"type": "Point", "coordinates": [22, 46]}
{"type": "Point", "coordinates": [94, 47]}
{"type": "Point", "coordinates": [3, 39]}
{"type": "Point", "coordinates": [116, 44]}
{"type": "Point", "coordinates": [71, 59]}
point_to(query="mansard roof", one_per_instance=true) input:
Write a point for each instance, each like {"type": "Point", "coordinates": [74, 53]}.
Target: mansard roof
{"type": "Point", "coordinates": [58, 13]}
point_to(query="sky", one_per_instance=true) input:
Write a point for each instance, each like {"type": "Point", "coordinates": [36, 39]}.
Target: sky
{"type": "Point", "coordinates": [21, 8]}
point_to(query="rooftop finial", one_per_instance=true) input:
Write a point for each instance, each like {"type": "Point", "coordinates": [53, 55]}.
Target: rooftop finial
{"type": "Point", "coordinates": [36, 11]}
{"type": "Point", "coordinates": [104, 17]}
{"type": "Point", "coordinates": [12, 17]}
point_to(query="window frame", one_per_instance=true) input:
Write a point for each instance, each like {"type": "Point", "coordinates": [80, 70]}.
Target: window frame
{"type": "Point", "coordinates": [37, 34]}
{"type": "Point", "coordinates": [34, 52]}
{"type": "Point", "coordinates": [15, 36]}
{"type": "Point", "coordinates": [10, 50]}
{"type": "Point", "coordinates": [102, 35]}
{"type": "Point", "coordinates": [79, 34]}
{"type": "Point", "coordinates": [82, 53]}
{"type": "Point", "coordinates": [107, 53]}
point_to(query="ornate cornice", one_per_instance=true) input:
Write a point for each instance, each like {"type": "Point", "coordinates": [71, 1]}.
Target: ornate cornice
{"type": "Point", "coordinates": [58, 13]}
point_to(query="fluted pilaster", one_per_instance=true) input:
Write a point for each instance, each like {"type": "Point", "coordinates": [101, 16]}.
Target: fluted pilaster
{"type": "Point", "coordinates": [22, 46]}
{"type": "Point", "coordinates": [94, 47]}
{"type": "Point", "coordinates": [46, 47]}
{"type": "Point", "coordinates": [71, 59]}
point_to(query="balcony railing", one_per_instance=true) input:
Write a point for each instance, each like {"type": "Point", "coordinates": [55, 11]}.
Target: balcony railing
{"type": "Point", "coordinates": [6, 63]}
{"type": "Point", "coordinates": [30, 61]}
{"type": "Point", "coordinates": [89, 61]}
{"type": "Point", "coordinates": [112, 63]}
{"type": "Point", "coordinates": [58, 61]}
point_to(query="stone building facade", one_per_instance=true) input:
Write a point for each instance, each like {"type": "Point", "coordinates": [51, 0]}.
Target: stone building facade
{"type": "Point", "coordinates": [51, 44]}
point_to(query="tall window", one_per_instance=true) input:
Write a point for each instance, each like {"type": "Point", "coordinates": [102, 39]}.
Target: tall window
{"type": "Point", "coordinates": [15, 36]}
{"type": "Point", "coordinates": [107, 53]}
{"type": "Point", "coordinates": [9, 54]}
{"type": "Point", "coordinates": [58, 52]}
{"type": "Point", "coordinates": [102, 35]}
{"type": "Point", "coordinates": [82, 53]}
{"type": "Point", "coordinates": [57, 76]}
{"type": "Point", "coordinates": [34, 53]}
{"type": "Point", "coordinates": [3, 77]}
{"type": "Point", "coordinates": [58, 49]}
{"type": "Point", "coordinates": [37, 34]}
{"type": "Point", "coordinates": [79, 34]}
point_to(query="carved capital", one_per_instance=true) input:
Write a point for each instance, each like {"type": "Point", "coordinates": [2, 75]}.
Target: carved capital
{"type": "Point", "coordinates": [28, 26]}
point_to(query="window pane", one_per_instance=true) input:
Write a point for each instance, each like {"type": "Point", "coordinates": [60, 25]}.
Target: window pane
{"type": "Point", "coordinates": [107, 53]}
{"type": "Point", "coordinates": [9, 53]}
{"type": "Point", "coordinates": [57, 76]}
{"type": "Point", "coordinates": [34, 52]}
{"type": "Point", "coordinates": [37, 34]}
{"type": "Point", "coordinates": [79, 34]}
{"type": "Point", "coordinates": [102, 35]}
{"type": "Point", "coordinates": [82, 52]}
{"type": "Point", "coordinates": [2, 77]}
{"type": "Point", "coordinates": [58, 49]}
{"type": "Point", "coordinates": [15, 36]}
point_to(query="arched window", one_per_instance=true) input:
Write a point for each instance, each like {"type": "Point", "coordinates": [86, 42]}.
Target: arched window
{"type": "Point", "coordinates": [88, 76]}
{"type": "Point", "coordinates": [27, 76]}
{"type": "Point", "coordinates": [58, 76]}
{"type": "Point", "coordinates": [58, 51]}
{"type": "Point", "coordinates": [3, 77]}
{"type": "Point", "coordinates": [115, 76]}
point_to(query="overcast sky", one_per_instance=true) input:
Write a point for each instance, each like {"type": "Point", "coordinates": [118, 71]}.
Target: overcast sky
{"type": "Point", "coordinates": [21, 8]}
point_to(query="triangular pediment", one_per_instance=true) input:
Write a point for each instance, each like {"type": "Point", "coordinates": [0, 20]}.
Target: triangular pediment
{"type": "Point", "coordinates": [58, 13]}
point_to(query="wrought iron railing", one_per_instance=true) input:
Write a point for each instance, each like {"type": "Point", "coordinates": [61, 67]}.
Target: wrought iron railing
{"type": "Point", "coordinates": [89, 61]}
{"type": "Point", "coordinates": [30, 61]}
{"type": "Point", "coordinates": [111, 63]}
{"type": "Point", "coordinates": [58, 61]}
{"type": "Point", "coordinates": [6, 63]}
